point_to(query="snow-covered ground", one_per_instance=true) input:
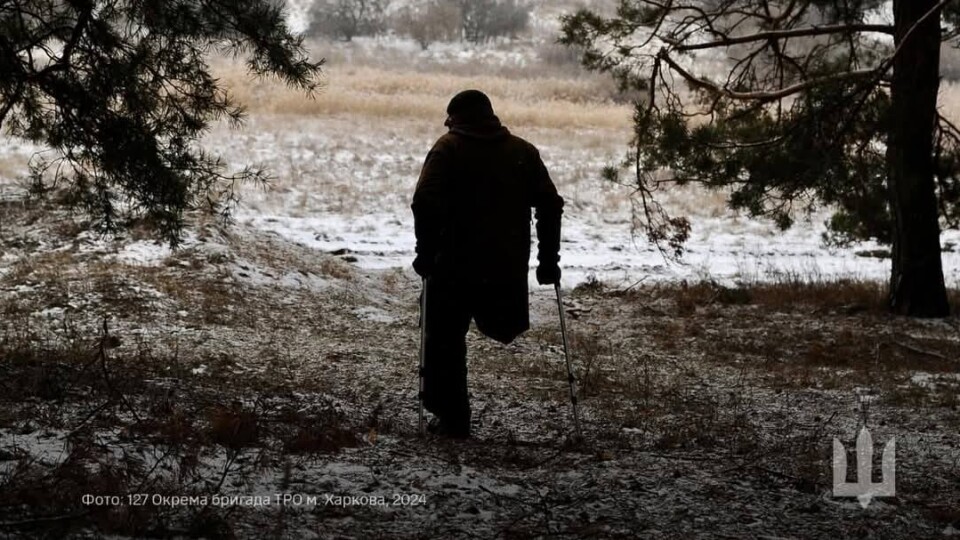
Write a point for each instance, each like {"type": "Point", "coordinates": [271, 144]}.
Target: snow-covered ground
{"type": "Point", "coordinates": [346, 189]}
{"type": "Point", "coordinates": [342, 186]}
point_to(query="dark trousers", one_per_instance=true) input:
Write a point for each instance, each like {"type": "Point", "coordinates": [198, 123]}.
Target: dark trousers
{"type": "Point", "coordinates": [448, 315]}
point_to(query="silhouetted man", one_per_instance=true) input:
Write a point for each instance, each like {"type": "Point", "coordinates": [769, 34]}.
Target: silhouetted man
{"type": "Point", "coordinates": [471, 211]}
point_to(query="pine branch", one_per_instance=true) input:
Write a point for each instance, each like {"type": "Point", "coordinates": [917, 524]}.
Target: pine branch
{"type": "Point", "coordinates": [83, 19]}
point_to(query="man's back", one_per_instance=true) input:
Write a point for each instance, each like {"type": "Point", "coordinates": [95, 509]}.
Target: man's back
{"type": "Point", "coordinates": [472, 217]}
{"type": "Point", "coordinates": [490, 180]}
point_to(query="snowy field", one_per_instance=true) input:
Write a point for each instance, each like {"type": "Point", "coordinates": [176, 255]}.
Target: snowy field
{"type": "Point", "coordinates": [354, 176]}
{"type": "Point", "coordinates": [353, 191]}
{"type": "Point", "coordinates": [345, 164]}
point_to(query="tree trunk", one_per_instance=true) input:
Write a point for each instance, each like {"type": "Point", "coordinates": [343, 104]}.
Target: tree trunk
{"type": "Point", "coordinates": [916, 284]}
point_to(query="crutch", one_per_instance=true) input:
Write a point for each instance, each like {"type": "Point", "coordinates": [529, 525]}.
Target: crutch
{"type": "Point", "coordinates": [423, 339]}
{"type": "Point", "coordinates": [566, 352]}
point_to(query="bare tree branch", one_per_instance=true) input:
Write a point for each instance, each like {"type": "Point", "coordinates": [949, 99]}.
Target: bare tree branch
{"type": "Point", "coordinates": [783, 34]}
{"type": "Point", "coordinates": [762, 95]}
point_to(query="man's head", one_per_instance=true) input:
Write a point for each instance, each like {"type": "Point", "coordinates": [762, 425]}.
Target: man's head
{"type": "Point", "coordinates": [472, 104]}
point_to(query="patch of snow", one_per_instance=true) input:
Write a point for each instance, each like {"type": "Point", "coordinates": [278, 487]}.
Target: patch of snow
{"type": "Point", "coordinates": [52, 312]}
{"type": "Point", "coordinates": [46, 445]}
{"type": "Point", "coordinates": [373, 314]}
{"type": "Point", "coordinates": [143, 253]}
{"type": "Point", "coordinates": [930, 380]}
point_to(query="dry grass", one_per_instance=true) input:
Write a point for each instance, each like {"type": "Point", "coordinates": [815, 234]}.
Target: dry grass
{"type": "Point", "coordinates": [12, 167]}
{"type": "Point", "coordinates": [68, 387]}
{"type": "Point", "coordinates": [40, 267]}
{"type": "Point", "coordinates": [712, 368]}
{"type": "Point", "coordinates": [821, 334]}
{"type": "Point", "coordinates": [850, 296]}
{"type": "Point", "coordinates": [696, 200]}
{"type": "Point", "coordinates": [383, 93]}
{"type": "Point", "coordinates": [788, 292]}
{"type": "Point", "coordinates": [335, 268]}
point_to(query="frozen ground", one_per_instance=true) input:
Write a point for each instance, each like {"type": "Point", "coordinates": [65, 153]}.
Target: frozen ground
{"type": "Point", "coordinates": [249, 366]}
{"type": "Point", "coordinates": [252, 363]}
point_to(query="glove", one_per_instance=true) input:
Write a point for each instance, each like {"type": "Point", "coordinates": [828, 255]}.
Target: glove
{"type": "Point", "coordinates": [548, 273]}
{"type": "Point", "coordinates": [424, 265]}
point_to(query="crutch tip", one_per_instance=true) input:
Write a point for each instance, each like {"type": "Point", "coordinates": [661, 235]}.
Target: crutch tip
{"type": "Point", "coordinates": [573, 440]}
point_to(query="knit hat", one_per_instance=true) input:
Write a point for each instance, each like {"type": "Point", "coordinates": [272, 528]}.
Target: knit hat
{"type": "Point", "coordinates": [470, 103]}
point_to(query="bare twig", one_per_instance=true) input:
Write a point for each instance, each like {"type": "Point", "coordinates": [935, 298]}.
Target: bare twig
{"type": "Point", "coordinates": [917, 350]}
{"type": "Point", "coordinates": [105, 341]}
{"type": "Point", "coordinates": [232, 455]}
{"type": "Point", "coordinates": [784, 34]}
{"type": "Point", "coordinates": [770, 95]}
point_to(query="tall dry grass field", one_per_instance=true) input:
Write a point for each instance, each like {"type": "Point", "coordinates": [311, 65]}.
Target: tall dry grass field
{"type": "Point", "coordinates": [376, 92]}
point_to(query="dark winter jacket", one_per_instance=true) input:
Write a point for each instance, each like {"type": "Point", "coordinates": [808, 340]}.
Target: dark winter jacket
{"type": "Point", "coordinates": [472, 219]}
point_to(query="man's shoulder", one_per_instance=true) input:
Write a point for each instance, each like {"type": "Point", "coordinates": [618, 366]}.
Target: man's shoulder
{"type": "Point", "coordinates": [445, 141]}
{"type": "Point", "coordinates": [521, 143]}
{"type": "Point", "coordinates": [451, 141]}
